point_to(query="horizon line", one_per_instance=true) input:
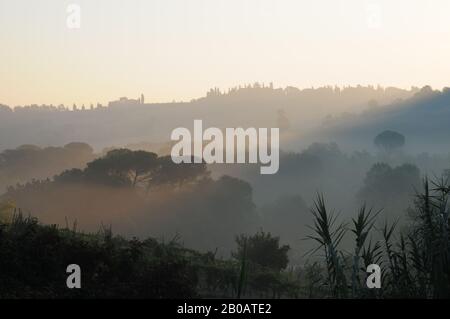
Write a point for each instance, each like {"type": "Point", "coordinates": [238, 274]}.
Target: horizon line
{"type": "Point", "coordinates": [254, 85]}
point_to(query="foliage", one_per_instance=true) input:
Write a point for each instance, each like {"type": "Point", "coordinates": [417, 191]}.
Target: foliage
{"type": "Point", "coordinates": [34, 257]}
{"type": "Point", "coordinates": [262, 249]}
{"type": "Point", "coordinates": [415, 260]}
{"type": "Point", "coordinates": [391, 186]}
{"type": "Point", "coordinates": [389, 141]}
{"type": "Point", "coordinates": [126, 168]}
{"type": "Point", "coordinates": [329, 235]}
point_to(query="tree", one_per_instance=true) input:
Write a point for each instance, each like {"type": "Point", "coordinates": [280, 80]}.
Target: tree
{"type": "Point", "coordinates": [262, 249]}
{"type": "Point", "coordinates": [389, 141]}
{"type": "Point", "coordinates": [79, 148]}
{"type": "Point", "coordinates": [170, 173]}
{"type": "Point", "coordinates": [122, 167]}
{"type": "Point", "coordinates": [389, 185]}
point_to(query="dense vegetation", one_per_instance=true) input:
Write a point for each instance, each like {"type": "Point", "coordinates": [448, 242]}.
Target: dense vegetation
{"type": "Point", "coordinates": [33, 261]}
{"type": "Point", "coordinates": [140, 193]}
{"type": "Point", "coordinates": [414, 260]}
{"type": "Point", "coordinates": [34, 257]}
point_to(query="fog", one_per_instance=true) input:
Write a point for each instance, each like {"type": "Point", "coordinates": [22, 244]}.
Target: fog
{"type": "Point", "coordinates": [130, 121]}
{"type": "Point", "coordinates": [327, 147]}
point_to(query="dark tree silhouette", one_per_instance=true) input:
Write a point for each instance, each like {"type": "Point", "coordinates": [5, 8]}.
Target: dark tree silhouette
{"type": "Point", "coordinates": [172, 174]}
{"type": "Point", "coordinates": [262, 249]}
{"type": "Point", "coordinates": [389, 141]}
{"type": "Point", "coordinates": [126, 168]}
{"type": "Point", "coordinates": [387, 185]}
{"type": "Point", "coordinates": [122, 167]}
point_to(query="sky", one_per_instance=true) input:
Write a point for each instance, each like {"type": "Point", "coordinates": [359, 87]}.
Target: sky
{"type": "Point", "coordinates": [178, 49]}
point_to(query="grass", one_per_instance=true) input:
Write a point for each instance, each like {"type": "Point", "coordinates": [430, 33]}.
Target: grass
{"type": "Point", "coordinates": [414, 260]}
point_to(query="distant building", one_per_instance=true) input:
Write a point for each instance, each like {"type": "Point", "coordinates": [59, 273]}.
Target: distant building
{"type": "Point", "coordinates": [124, 101]}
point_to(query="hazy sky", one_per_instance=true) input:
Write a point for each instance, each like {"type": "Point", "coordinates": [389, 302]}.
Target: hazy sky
{"type": "Point", "coordinates": [177, 49]}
